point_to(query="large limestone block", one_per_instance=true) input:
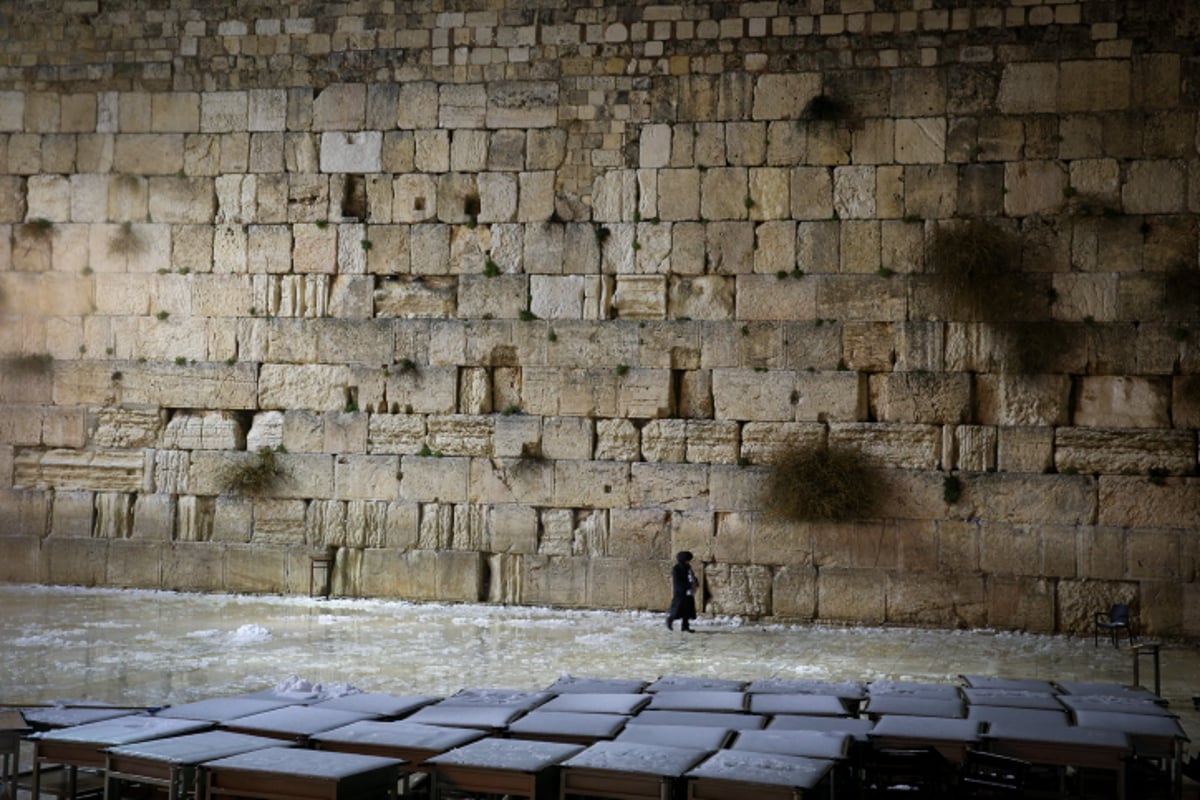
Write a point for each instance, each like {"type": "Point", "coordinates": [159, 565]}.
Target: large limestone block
{"type": "Point", "coordinates": [894, 445]}
{"type": "Point", "coordinates": [768, 297]}
{"type": "Point", "coordinates": [182, 200]}
{"type": "Point", "coordinates": [98, 470]}
{"type": "Point", "coordinates": [1123, 451]}
{"type": "Point", "coordinates": [664, 440]}
{"type": "Point", "coordinates": [555, 580]}
{"type": "Point", "coordinates": [857, 595]}
{"type": "Point", "coordinates": [750, 395]}
{"type": "Point", "coordinates": [401, 434]}
{"type": "Point", "coordinates": [527, 480]}
{"type": "Point", "coordinates": [616, 440]}
{"type": "Point", "coordinates": [921, 140]}
{"type": "Point", "coordinates": [1078, 602]}
{"type": "Point", "coordinates": [223, 112]}
{"type": "Point", "coordinates": [794, 592]}
{"type": "Point", "coordinates": [738, 589]}
{"type": "Point", "coordinates": [514, 529]}
{"type": "Point", "coordinates": [712, 441]}
{"type": "Point", "coordinates": [928, 397]}
{"type": "Point", "coordinates": [1021, 603]}
{"type": "Point", "coordinates": [811, 193]}
{"type": "Point", "coordinates": [78, 562]}
{"type": "Point", "coordinates": [860, 297]}
{"type": "Point", "coordinates": [340, 107]}
{"type": "Point", "coordinates": [153, 517]}
{"type": "Point", "coordinates": [1010, 549]}
{"type": "Point", "coordinates": [461, 434]}
{"type": "Point", "coordinates": [134, 565]}
{"type": "Point", "coordinates": [1033, 187]}
{"type": "Point", "coordinates": [360, 477]}
{"type": "Point", "coordinates": [780, 96]}
{"type": "Point", "coordinates": [706, 297]}
{"type": "Point", "coordinates": [432, 479]}
{"type": "Point", "coordinates": [316, 387]}
{"type": "Point", "coordinates": [643, 582]}
{"type": "Point", "coordinates": [654, 146]}
{"type": "Point", "coordinates": [146, 154]}
{"type": "Point", "coordinates": [300, 475]}
{"type": "Point", "coordinates": [678, 194]}
{"type": "Point", "coordinates": [1024, 400]}
{"type": "Point", "coordinates": [778, 541]}
{"type": "Point", "coordinates": [522, 104]}
{"type": "Point", "coordinates": [1154, 187]}
{"type": "Point", "coordinates": [413, 299]}
{"type": "Point", "coordinates": [12, 111]}
{"type": "Point", "coordinates": [1122, 402]}
{"type": "Point", "coordinates": [639, 534]}
{"type": "Point", "coordinates": [1029, 88]}
{"type": "Point", "coordinates": [766, 442]}
{"type": "Point", "coordinates": [723, 193]}
{"type": "Point", "coordinates": [25, 513]}
{"type": "Point", "coordinates": [207, 430]}
{"type": "Point", "coordinates": [595, 484]}
{"type": "Point", "coordinates": [194, 567]}
{"type": "Point", "coordinates": [945, 601]}
{"type": "Point", "coordinates": [640, 297]}
{"type": "Point", "coordinates": [682, 487]}
{"type": "Point", "coordinates": [502, 296]}
{"type": "Point", "coordinates": [73, 514]}
{"type": "Point", "coordinates": [355, 152]}
{"type": "Point", "coordinates": [255, 569]}
{"type": "Point", "coordinates": [1041, 499]}
{"type": "Point", "coordinates": [1138, 502]}
{"type": "Point", "coordinates": [736, 488]}
{"type": "Point", "coordinates": [969, 447]}
{"type": "Point", "coordinates": [1093, 85]}
{"type": "Point", "coordinates": [557, 297]}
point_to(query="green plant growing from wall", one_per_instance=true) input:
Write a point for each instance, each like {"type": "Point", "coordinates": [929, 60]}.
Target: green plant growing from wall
{"type": "Point", "coordinates": [823, 107]}
{"type": "Point", "coordinates": [973, 265]}
{"type": "Point", "coordinates": [261, 472]}
{"type": "Point", "coordinates": [815, 483]}
{"type": "Point", "coordinates": [491, 269]}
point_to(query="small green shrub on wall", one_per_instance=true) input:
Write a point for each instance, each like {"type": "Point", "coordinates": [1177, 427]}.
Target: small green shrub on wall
{"type": "Point", "coordinates": [821, 483]}
{"type": "Point", "coordinates": [254, 476]}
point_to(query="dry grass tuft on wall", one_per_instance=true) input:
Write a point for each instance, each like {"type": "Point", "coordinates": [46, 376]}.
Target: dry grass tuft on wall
{"type": "Point", "coordinates": [974, 265]}
{"type": "Point", "coordinates": [819, 483]}
{"type": "Point", "coordinates": [254, 476]}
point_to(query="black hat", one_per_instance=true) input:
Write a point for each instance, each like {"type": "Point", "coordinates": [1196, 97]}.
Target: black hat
{"type": "Point", "coordinates": [683, 555]}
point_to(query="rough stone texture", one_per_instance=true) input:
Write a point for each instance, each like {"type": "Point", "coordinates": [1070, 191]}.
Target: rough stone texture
{"type": "Point", "coordinates": [641, 228]}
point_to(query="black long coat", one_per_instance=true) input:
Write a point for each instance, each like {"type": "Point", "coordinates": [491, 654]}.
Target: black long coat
{"type": "Point", "coordinates": [683, 604]}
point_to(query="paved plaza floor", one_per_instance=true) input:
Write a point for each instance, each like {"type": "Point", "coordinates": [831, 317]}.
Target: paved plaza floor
{"type": "Point", "coordinates": [160, 648]}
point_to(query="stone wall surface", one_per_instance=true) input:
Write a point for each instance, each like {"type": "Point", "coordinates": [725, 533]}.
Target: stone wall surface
{"type": "Point", "coordinates": [509, 301]}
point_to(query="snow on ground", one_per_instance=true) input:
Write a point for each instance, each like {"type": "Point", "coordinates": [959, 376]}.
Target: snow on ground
{"type": "Point", "coordinates": [155, 648]}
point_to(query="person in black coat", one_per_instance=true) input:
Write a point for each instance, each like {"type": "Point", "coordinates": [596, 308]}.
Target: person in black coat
{"type": "Point", "coordinates": [683, 592]}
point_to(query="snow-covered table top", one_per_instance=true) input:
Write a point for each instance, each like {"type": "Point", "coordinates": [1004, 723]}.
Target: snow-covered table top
{"type": "Point", "coordinates": [598, 703]}
{"type": "Point", "coordinates": [222, 709]}
{"type": "Point", "coordinates": [712, 719]}
{"type": "Point", "coordinates": [684, 683]}
{"type": "Point", "coordinates": [518, 755]}
{"type": "Point", "coordinates": [695, 737]}
{"type": "Point", "coordinates": [649, 759]}
{"type": "Point", "coordinates": [381, 705]}
{"type": "Point", "coordinates": [1134, 724]}
{"type": "Point", "coordinates": [1124, 704]}
{"type": "Point", "coordinates": [813, 704]}
{"type": "Point", "coordinates": [195, 748]}
{"type": "Point", "coordinates": [569, 723]}
{"type": "Point", "coordinates": [1014, 698]}
{"type": "Point", "coordinates": [297, 720]}
{"type": "Point", "coordinates": [1036, 716]}
{"type": "Point", "coordinates": [497, 698]}
{"type": "Point", "coordinates": [401, 734]}
{"type": "Point", "coordinates": [833, 745]}
{"type": "Point", "coordinates": [765, 768]}
{"type": "Point", "coordinates": [670, 700]}
{"type": "Point", "coordinates": [1032, 731]}
{"type": "Point", "coordinates": [303, 763]}
{"type": "Point", "coordinates": [846, 690]}
{"type": "Point", "coordinates": [932, 691]}
{"type": "Point", "coordinates": [1106, 689]}
{"type": "Point", "coordinates": [124, 730]}
{"type": "Point", "coordinates": [569, 684]}
{"type": "Point", "coordinates": [467, 716]}
{"type": "Point", "coordinates": [928, 728]}
{"type": "Point", "coordinates": [890, 704]}
{"type": "Point", "coordinates": [62, 717]}
{"type": "Point", "coordinates": [858, 728]}
{"type": "Point", "coordinates": [1016, 684]}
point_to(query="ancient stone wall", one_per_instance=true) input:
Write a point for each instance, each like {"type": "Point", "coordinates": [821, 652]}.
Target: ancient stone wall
{"type": "Point", "coordinates": [509, 301]}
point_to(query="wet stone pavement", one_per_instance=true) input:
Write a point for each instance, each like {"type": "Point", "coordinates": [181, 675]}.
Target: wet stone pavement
{"type": "Point", "coordinates": [163, 648]}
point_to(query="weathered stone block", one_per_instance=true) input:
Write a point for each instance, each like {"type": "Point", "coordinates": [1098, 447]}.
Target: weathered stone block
{"type": "Point", "coordinates": [522, 104]}
{"type": "Point", "coordinates": [943, 600]}
{"type": "Point", "coordinates": [1093, 85]}
{"type": "Point", "coordinates": [98, 470]}
{"type": "Point", "coordinates": [739, 589]}
{"type": "Point", "coordinates": [1123, 451]}
{"type": "Point", "coordinates": [812, 193]}
{"type": "Point", "coordinates": [921, 140]}
{"type": "Point", "coordinates": [616, 440]}
{"type": "Point", "coordinates": [851, 594]}
{"type": "Point", "coordinates": [1044, 499]}
{"type": "Point", "coordinates": [672, 486]}
{"type": "Point", "coordinates": [153, 517]}
{"type": "Point", "coordinates": [135, 565]}
{"type": "Point", "coordinates": [921, 397]}
{"type": "Point", "coordinates": [794, 592]}
{"type": "Point", "coordinates": [207, 430]}
{"type": "Point", "coordinates": [1021, 603]}
{"type": "Point", "coordinates": [1028, 88]}
{"type": "Point", "coordinates": [896, 445]}
{"type": "Point", "coordinates": [198, 567]}
{"type": "Point", "coordinates": [740, 394]}
{"type": "Point", "coordinates": [431, 479]}
{"type": "Point", "coordinates": [300, 475]}
{"type": "Point", "coordinates": [1122, 402]}
{"type": "Point", "coordinates": [768, 297]}
{"type": "Point", "coordinates": [1137, 502]}
{"type": "Point", "coordinates": [256, 569]}
{"type": "Point", "coordinates": [969, 447]}
{"type": "Point", "coordinates": [567, 438]}
{"type": "Point", "coordinates": [1024, 400]}
{"type": "Point", "coordinates": [596, 484]}
{"type": "Point", "coordinates": [514, 529]}
{"type": "Point", "coordinates": [639, 534]}
{"type": "Point", "coordinates": [365, 477]}
{"type": "Point", "coordinates": [555, 580]}
{"type": "Point", "coordinates": [779, 96]}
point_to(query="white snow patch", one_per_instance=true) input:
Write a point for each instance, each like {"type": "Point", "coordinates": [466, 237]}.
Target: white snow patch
{"type": "Point", "coordinates": [250, 634]}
